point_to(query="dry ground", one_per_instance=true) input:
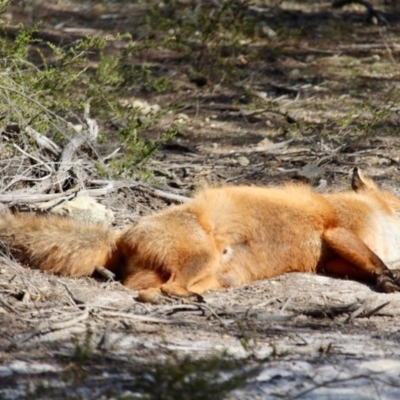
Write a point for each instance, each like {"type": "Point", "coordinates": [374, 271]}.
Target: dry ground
{"type": "Point", "coordinates": [308, 105]}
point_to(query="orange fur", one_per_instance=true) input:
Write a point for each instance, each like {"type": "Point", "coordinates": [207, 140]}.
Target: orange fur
{"type": "Point", "coordinates": [226, 237]}
{"type": "Point", "coordinates": [58, 244]}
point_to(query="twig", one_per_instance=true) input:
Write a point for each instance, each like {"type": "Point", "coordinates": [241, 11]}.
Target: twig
{"type": "Point", "coordinates": [224, 324]}
{"type": "Point", "coordinates": [268, 148]}
{"type": "Point", "coordinates": [70, 149]}
{"type": "Point", "coordinates": [35, 198]}
{"type": "Point", "coordinates": [9, 308]}
{"type": "Point", "coordinates": [164, 195]}
{"type": "Point", "coordinates": [177, 308]}
{"type": "Point", "coordinates": [375, 310]}
{"type": "Point", "coordinates": [328, 310]}
{"type": "Point", "coordinates": [105, 273]}
{"type": "Point", "coordinates": [31, 99]}
{"type": "Point", "coordinates": [268, 302]}
{"type": "Point", "coordinates": [388, 50]}
{"type": "Point", "coordinates": [273, 317]}
{"type": "Point", "coordinates": [10, 339]}
{"type": "Point", "coordinates": [371, 12]}
{"type": "Point", "coordinates": [288, 300]}
{"type": "Point", "coordinates": [329, 382]}
{"type": "Point", "coordinates": [58, 178]}
{"type": "Point", "coordinates": [115, 185]}
{"type": "Point", "coordinates": [333, 154]}
{"type": "Point", "coordinates": [46, 326]}
{"type": "Point", "coordinates": [35, 159]}
{"type": "Point", "coordinates": [356, 313]}
{"type": "Point", "coordinates": [363, 311]}
{"type": "Point", "coordinates": [22, 178]}
{"type": "Point", "coordinates": [105, 340]}
{"type": "Point", "coordinates": [143, 318]}
{"type": "Point", "coordinates": [73, 298]}
{"type": "Point", "coordinates": [112, 154]}
{"type": "Point", "coordinates": [42, 141]}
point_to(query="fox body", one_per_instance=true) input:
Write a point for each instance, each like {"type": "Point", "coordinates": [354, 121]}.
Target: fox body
{"type": "Point", "coordinates": [226, 237]}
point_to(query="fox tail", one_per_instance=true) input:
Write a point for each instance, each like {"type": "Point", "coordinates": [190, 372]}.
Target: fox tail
{"type": "Point", "coordinates": [59, 244]}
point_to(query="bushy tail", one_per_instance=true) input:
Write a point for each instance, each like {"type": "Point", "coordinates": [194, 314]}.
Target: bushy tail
{"type": "Point", "coordinates": [59, 245]}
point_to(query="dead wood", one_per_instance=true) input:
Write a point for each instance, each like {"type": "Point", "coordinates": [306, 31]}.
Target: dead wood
{"type": "Point", "coordinates": [105, 273]}
{"type": "Point", "coordinates": [143, 318]}
{"type": "Point", "coordinates": [48, 326]}
{"type": "Point", "coordinates": [31, 198]}
{"type": "Point", "coordinates": [58, 172]}
{"type": "Point", "coordinates": [356, 310]}
{"type": "Point", "coordinates": [373, 15]}
{"type": "Point", "coordinates": [177, 198]}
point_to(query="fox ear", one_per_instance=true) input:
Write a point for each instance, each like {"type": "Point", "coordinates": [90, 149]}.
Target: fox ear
{"type": "Point", "coordinates": [360, 183]}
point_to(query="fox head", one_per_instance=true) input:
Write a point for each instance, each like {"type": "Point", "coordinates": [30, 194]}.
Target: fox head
{"type": "Point", "coordinates": [366, 186]}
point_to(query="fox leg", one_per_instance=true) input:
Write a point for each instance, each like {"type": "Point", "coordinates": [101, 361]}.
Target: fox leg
{"type": "Point", "coordinates": [147, 282]}
{"type": "Point", "coordinates": [207, 283]}
{"type": "Point", "coordinates": [343, 268]}
{"type": "Point", "coordinates": [178, 286]}
{"type": "Point", "coordinates": [172, 288]}
{"type": "Point", "coordinates": [151, 285]}
{"type": "Point", "coordinates": [144, 279]}
{"type": "Point", "coordinates": [150, 295]}
{"type": "Point", "coordinates": [176, 289]}
{"type": "Point", "coordinates": [357, 259]}
{"type": "Point", "coordinates": [184, 283]}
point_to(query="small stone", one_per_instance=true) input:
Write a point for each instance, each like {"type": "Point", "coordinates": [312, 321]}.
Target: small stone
{"type": "Point", "coordinates": [243, 161]}
{"type": "Point", "coordinates": [84, 208]}
{"type": "Point", "coordinates": [311, 172]}
{"type": "Point", "coordinates": [183, 116]}
{"type": "Point", "coordinates": [295, 74]}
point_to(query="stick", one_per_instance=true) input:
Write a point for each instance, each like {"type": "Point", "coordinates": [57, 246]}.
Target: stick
{"type": "Point", "coordinates": [143, 318]}
{"type": "Point", "coordinates": [46, 326]}
{"type": "Point", "coordinates": [35, 198]}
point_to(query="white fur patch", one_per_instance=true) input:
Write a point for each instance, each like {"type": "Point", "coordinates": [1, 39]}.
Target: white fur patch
{"type": "Point", "coordinates": [384, 238]}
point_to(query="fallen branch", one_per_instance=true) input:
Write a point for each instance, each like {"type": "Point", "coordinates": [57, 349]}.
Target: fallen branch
{"type": "Point", "coordinates": [328, 310]}
{"type": "Point", "coordinates": [366, 310]}
{"type": "Point", "coordinates": [49, 326]}
{"type": "Point", "coordinates": [8, 307]}
{"type": "Point", "coordinates": [143, 318]}
{"type": "Point", "coordinates": [164, 195]}
{"type": "Point", "coordinates": [30, 198]}
{"type": "Point", "coordinates": [356, 309]}
{"type": "Point", "coordinates": [372, 14]}
{"type": "Point", "coordinates": [65, 163]}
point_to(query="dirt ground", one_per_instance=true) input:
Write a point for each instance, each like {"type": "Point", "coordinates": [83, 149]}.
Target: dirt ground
{"type": "Point", "coordinates": [323, 100]}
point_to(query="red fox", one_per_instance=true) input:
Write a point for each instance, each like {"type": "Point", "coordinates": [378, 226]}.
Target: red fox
{"type": "Point", "coordinates": [225, 237]}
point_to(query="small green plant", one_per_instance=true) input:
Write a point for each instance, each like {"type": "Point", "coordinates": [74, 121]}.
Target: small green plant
{"type": "Point", "coordinates": [48, 87]}
{"type": "Point", "coordinates": [136, 152]}
{"type": "Point", "coordinates": [206, 378]}
{"type": "Point", "coordinates": [78, 369]}
{"type": "Point", "coordinates": [210, 39]}
{"type": "Point", "coordinates": [84, 349]}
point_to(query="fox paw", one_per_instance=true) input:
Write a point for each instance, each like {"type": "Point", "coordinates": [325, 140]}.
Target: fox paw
{"type": "Point", "coordinates": [151, 295]}
{"type": "Point", "coordinates": [388, 282]}
{"type": "Point", "coordinates": [396, 275]}
{"type": "Point", "coordinates": [196, 298]}
{"type": "Point", "coordinates": [156, 295]}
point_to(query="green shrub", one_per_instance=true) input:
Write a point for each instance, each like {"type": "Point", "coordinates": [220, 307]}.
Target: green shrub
{"type": "Point", "coordinates": [47, 87]}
